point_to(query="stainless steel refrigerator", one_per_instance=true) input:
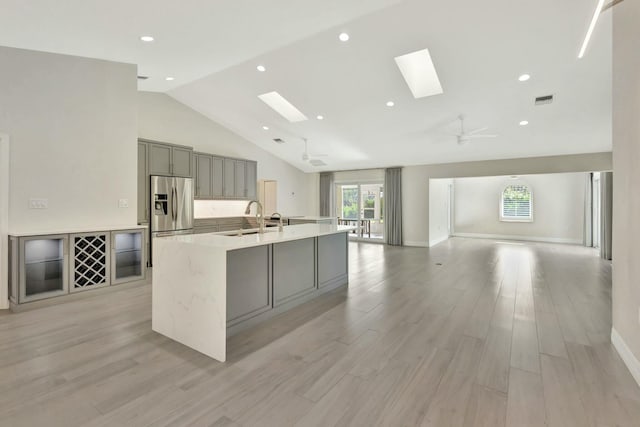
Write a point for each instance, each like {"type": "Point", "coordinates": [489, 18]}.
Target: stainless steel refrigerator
{"type": "Point", "coordinates": [171, 206]}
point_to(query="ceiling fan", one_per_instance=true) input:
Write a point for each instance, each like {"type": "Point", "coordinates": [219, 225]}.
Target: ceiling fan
{"type": "Point", "coordinates": [311, 158]}
{"type": "Point", "coordinates": [466, 136]}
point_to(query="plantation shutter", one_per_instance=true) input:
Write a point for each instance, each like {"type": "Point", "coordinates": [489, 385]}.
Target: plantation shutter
{"type": "Point", "coordinates": [516, 202]}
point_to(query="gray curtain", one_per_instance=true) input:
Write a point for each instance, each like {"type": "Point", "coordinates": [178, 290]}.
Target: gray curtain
{"type": "Point", "coordinates": [606, 197]}
{"type": "Point", "coordinates": [588, 210]}
{"type": "Point", "coordinates": [327, 196]}
{"type": "Point", "coordinates": [393, 206]}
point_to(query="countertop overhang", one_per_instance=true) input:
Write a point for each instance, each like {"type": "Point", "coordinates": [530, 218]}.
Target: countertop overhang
{"type": "Point", "coordinates": [229, 242]}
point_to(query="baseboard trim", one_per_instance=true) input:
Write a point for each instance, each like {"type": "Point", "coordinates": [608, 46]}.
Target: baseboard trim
{"type": "Point", "coordinates": [629, 359]}
{"type": "Point", "coordinates": [434, 242]}
{"type": "Point", "coordinates": [525, 238]}
{"type": "Point", "coordinates": [417, 244]}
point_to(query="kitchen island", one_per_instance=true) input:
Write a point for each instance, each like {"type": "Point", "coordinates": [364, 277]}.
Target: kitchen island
{"type": "Point", "coordinates": [209, 286]}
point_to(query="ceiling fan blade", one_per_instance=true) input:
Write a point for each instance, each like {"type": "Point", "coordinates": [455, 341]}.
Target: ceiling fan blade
{"type": "Point", "coordinates": [318, 155]}
{"type": "Point", "coordinates": [316, 162]}
{"type": "Point", "coordinates": [473, 132]}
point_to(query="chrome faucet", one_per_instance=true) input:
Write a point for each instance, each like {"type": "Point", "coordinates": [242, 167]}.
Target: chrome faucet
{"type": "Point", "coordinates": [259, 215]}
{"type": "Point", "coordinates": [280, 225]}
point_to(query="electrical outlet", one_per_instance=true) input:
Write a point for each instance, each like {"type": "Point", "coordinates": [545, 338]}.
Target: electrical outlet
{"type": "Point", "coordinates": [38, 203]}
{"type": "Point", "coordinates": [123, 203]}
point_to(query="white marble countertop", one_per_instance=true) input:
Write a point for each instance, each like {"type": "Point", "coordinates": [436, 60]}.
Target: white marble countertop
{"type": "Point", "coordinates": [230, 240]}
{"type": "Point", "coordinates": [19, 233]}
{"type": "Point", "coordinates": [313, 218]}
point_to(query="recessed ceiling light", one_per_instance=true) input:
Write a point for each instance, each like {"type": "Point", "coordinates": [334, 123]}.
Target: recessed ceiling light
{"type": "Point", "coordinates": [420, 74]}
{"type": "Point", "coordinates": [146, 38]}
{"type": "Point", "coordinates": [282, 107]}
{"type": "Point", "coordinates": [320, 117]}
{"type": "Point", "coordinates": [524, 123]}
{"type": "Point", "coordinates": [265, 127]}
{"type": "Point", "coordinates": [261, 68]}
{"type": "Point", "coordinates": [524, 77]}
{"type": "Point", "coordinates": [594, 20]}
{"type": "Point", "coordinates": [169, 79]}
{"type": "Point", "coordinates": [390, 104]}
{"type": "Point", "coordinates": [344, 37]}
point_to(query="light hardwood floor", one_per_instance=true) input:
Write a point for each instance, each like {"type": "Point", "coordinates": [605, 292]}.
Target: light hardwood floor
{"type": "Point", "coordinates": [471, 332]}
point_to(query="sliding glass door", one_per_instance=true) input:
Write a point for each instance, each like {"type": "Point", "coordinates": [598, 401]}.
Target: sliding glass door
{"type": "Point", "coordinates": [362, 205]}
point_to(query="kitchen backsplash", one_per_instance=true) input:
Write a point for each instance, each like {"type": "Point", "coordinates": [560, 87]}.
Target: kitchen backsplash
{"type": "Point", "coordinates": [219, 208]}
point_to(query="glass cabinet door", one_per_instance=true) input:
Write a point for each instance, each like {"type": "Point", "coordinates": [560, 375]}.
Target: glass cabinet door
{"type": "Point", "coordinates": [127, 256]}
{"type": "Point", "coordinates": [44, 267]}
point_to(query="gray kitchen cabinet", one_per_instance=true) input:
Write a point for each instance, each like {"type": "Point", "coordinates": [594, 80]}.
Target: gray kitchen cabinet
{"type": "Point", "coordinates": [252, 179]}
{"type": "Point", "coordinates": [169, 160]}
{"type": "Point", "coordinates": [159, 159]}
{"type": "Point", "coordinates": [143, 182]}
{"type": "Point", "coordinates": [203, 176]}
{"type": "Point", "coordinates": [218, 178]}
{"type": "Point", "coordinates": [38, 267]}
{"type": "Point", "coordinates": [90, 261]}
{"type": "Point", "coordinates": [182, 161]}
{"type": "Point", "coordinates": [248, 283]}
{"type": "Point", "coordinates": [128, 259]}
{"type": "Point", "coordinates": [229, 178]}
{"type": "Point", "coordinates": [240, 179]}
{"type": "Point", "coordinates": [293, 270]}
{"type": "Point", "coordinates": [332, 259]}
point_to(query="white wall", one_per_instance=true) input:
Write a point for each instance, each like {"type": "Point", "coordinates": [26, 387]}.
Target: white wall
{"type": "Point", "coordinates": [415, 182]}
{"type": "Point", "coordinates": [626, 181]}
{"type": "Point", "coordinates": [162, 118]}
{"type": "Point", "coordinates": [73, 128]}
{"type": "Point", "coordinates": [558, 208]}
{"type": "Point", "coordinates": [439, 210]}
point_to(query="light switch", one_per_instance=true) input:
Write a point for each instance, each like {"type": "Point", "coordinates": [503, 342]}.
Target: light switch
{"type": "Point", "coordinates": [38, 203]}
{"type": "Point", "coordinates": [123, 203]}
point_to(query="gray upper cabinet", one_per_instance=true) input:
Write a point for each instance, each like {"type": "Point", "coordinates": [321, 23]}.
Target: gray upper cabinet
{"type": "Point", "coordinates": [159, 159]}
{"type": "Point", "coordinates": [143, 182]}
{"type": "Point", "coordinates": [240, 184]}
{"type": "Point", "coordinates": [204, 176]}
{"type": "Point", "coordinates": [218, 178]}
{"type": "Point", "coordinates": [252, 180]}
{"type": "Point", "coordinates": [171, 160]}
{"type": "Point", "coordinates": [229, 178]}
{"type": "Point", "coordinates": [182, 162]}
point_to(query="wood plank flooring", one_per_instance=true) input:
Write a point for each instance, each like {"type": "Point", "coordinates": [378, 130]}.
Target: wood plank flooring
{"type": "Point", "coordinates": [468, 333]}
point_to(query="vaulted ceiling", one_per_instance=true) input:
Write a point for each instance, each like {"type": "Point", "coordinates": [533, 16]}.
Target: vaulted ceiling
{"type": "Point", "coordinates": [479, 49]}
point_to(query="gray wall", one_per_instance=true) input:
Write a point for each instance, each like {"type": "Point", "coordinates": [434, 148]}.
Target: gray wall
{"type": "Point", "coordinates": [626, 176]}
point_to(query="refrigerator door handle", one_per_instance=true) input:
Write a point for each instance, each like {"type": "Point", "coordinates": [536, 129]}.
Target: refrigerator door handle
{"type": "Point", "coordinates": [174, 204]}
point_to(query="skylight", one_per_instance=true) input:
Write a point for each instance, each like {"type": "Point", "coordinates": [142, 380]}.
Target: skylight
{"type": "Point", "coordinates": [420, 74]}
{"type": "Point", "coordinates": [282, 107]}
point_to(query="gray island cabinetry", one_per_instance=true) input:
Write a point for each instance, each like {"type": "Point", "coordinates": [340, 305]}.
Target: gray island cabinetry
{"type": "Point", "coordinates": [210, 286]}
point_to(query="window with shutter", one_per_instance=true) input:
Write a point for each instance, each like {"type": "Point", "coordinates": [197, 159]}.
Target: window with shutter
{"type": "Point", "coordinates": [516, 203]}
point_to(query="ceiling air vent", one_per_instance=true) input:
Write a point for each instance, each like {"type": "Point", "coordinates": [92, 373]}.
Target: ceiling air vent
{"type": "Point", "coordinates": [542, 100]}
{"type": "Point", "coordinates": [278, 141]}
{"type": "Point", "coordinates": [143, 77]}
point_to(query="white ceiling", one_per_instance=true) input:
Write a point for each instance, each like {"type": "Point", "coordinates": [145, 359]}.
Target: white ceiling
{"type": "Point", "coordinates": [479, 50]}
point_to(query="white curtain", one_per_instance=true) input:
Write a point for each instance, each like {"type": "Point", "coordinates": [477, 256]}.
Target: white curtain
{"type": "Point", "coordinates": [327, 196]}
{"type": "Point", "coordinates": [393, 206]}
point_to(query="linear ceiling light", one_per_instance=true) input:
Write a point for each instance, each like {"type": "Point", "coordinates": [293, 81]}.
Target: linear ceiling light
{"type": "Point", "coordinates": [594, 20]}
{"type": "Point", "coordinates": [420, 74]}
{"type": "Point", "coordinates": [282, 107]}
